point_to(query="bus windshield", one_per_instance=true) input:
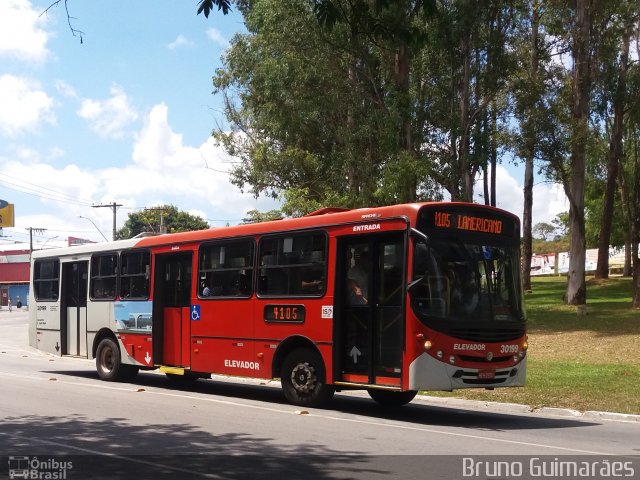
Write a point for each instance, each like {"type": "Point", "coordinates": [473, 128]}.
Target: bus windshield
{"type": "Point", "coordinates": [467, 282]}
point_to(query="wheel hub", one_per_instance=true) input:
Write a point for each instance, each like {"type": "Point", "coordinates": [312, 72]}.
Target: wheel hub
{"type": "Point", "coordinates": [303, 378]}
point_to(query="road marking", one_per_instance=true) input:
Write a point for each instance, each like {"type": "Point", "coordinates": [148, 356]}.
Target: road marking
{"type": "Point", "coordinates": [110, 455]}
{"type": "Point", "coordinates": [288, 411]}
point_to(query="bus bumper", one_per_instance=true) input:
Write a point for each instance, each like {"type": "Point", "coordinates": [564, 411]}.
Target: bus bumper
{"type": "Point", "coordinates": [428, 373]}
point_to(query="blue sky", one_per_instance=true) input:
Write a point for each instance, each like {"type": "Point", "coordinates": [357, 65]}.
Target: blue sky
{"type": "Point", "coordinates": [126, 117]}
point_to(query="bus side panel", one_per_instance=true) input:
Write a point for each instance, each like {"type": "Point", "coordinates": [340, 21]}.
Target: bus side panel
{"type": "Point", "coordinates": [99, 315]}
{"type": "Point", "coordinates": [226, 356]}
{"type": "Point", "coordinates": [46, 317]}
{"type": "Point", "coordinates": [222, 335]}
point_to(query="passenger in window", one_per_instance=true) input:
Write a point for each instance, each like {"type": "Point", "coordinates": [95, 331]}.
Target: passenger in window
{"type": "Point", "coordinates": [311, 281]}
{"type": "Point", "coordinates": [358, 274]}
{"type": "Point", "coordinates": [355, 293]}
{"type": "Point", "coordinates": [206, 291]}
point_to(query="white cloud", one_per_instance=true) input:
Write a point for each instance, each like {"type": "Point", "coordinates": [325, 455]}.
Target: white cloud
{"type": "Point", "coordinates": [65, 89]}
{"type": "Point", "coordinates": [23, 105]}
{"type": "Point", "coordinates": [548, 199]}
{"type": "Point", "coordinates": [180, 41]}
{"type": "Point", "coordinates": [163, 170]}
{"type": "Point", "coordinates": [109, 118]}
{"type": "Point", "coordinates": [214, 35]}
{"type": "Point", "coordinates": [21, 35]}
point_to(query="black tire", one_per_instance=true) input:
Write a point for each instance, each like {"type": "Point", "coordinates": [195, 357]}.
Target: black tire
{"type": "Point", "coordinates": [303, 379]}
{"type": "Point", "coordinates": [108, 363]}
{"type": "Point", "coordinates": [389, 398]}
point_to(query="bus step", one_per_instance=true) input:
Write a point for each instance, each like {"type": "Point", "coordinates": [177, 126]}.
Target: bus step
{"type": "Point", "coordinates": [172, 370]}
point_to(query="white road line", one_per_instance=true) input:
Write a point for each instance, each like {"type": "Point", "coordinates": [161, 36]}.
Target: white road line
{"type": "Point", "coordinates": [321, 416]}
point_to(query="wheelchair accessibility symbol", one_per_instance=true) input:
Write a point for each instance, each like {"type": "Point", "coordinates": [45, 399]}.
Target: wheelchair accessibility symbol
{"type": "Point", "coordinates": [195, 312]}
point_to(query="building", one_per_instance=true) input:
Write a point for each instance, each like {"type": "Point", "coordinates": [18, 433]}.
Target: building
{"type": "Point", "coordinates": [14, 276]}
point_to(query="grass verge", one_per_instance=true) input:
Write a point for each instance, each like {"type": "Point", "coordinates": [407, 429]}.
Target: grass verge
{"type": "Point", "coordinates": [587, 362]}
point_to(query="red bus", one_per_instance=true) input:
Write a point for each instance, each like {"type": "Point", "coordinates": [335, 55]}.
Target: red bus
{"type": "Point", "coordinates": [390, 299]}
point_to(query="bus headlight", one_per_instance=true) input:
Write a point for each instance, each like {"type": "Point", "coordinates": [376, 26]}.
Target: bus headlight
{"type": "Point", "coordinates": [452, 359]}
{"type": "Point", "coordinates": [440, 354]}
{"type": "Point", "coordinates": [427, 345]}
{"type": "Point", "coordinates": [525, 344]}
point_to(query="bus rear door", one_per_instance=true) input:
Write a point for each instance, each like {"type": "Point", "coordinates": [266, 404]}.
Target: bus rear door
{"type": "Point", "coordinates": [370, 304]}
{"type": "Point", "coordinates": [73, 309]}
{"type": "Point", "coordinates": [171, 305]}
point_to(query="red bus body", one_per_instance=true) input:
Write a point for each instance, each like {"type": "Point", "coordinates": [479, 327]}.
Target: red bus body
{"type": "Point", "coordinates": [223, 301]}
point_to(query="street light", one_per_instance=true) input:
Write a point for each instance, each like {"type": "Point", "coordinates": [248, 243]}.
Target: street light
{"type": "Point", "coordinates": [87, 218]}
{"type": "Point", "coordinates": [47, 241]}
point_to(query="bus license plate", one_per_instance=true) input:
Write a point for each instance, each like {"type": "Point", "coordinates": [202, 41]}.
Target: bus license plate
{"type": "Point", "coordinates": [486, 375]}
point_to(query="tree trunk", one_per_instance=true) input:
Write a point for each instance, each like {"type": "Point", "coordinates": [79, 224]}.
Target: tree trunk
{"type": "Point", "coordinates": [636, 278]}
{"type": "Point", "coordinates": [615, 156]}
{"type": "Point", "coordinates": [463, 151]}
{"type": "Point", "coordinates": [530, 144]}
{"type": "Point", "coordinates": [576, 285]}
{"type": "Point", "coordinates": [493, 152]}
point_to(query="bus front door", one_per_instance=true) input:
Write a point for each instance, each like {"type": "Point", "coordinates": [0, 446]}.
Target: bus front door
{"type": "Point", "coordinates": [73, 309]}
{"type": "Point", "coordinates": [369, 322]}
{"type": "Point", "coordinates": [171, 304]}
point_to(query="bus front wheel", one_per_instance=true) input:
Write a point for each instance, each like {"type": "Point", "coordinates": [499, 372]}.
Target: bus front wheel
{"type": "Point", "coordinates": [304, 380]}
{"type": "Point", "coordinates": [390, 398]}
{"type": "Point", "coordinates": [108, 363]}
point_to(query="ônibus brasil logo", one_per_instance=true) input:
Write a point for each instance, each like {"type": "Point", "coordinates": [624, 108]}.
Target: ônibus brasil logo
{"type": "Point", "coordinates": [41, 469]}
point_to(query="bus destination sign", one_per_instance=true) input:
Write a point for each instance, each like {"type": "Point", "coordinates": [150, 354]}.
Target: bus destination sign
{"type": "Point", "coordinates": [472, 223]}
{"type": "Point", "coordinates": [284, 313]}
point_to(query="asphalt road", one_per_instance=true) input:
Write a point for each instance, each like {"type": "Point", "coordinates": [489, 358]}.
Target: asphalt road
{"type": "Point", "coordinates": [57, 408]}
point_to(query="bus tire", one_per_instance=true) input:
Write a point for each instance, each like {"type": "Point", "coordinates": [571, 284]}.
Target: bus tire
{"type": "Point", "coordinates": [389, 398]}
{"type": "Point", "coordinates": [108, 363]}
{"type": "Point", "coordinates": [304, 380]}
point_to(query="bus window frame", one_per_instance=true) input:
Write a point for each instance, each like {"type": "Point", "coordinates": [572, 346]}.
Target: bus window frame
{"type": "Point", "coordinates": [92, 277]}
{"type": "Point", "coordinates": [56, 279]}
{"type": "Point", "coordinates": [293, 233]}
{"type": "Point", "coordinates": [221, 242]}
{"type": "Point", "coordinates": [147, 275]}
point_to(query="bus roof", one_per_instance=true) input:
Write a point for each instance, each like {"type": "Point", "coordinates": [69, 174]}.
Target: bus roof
{"type": "Point", "coordinates": [320, 218]}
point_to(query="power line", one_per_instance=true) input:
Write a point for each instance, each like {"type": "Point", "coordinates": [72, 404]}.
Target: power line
{"type": "Point", "coordinates": [56, 192]}
{"type": "Point", "coordinates": [40, 195]}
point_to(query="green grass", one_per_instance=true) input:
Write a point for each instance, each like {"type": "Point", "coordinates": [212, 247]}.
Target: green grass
{"type": "Point", "coordinates": [587, 362]}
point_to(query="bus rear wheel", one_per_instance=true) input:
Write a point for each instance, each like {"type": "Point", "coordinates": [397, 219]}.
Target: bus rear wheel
{"type": "Point", "coordinates": [304, 380]}
{"type": "Point", "coordinates": [389, 398]}
{"type": "Point", "coordinates": [108, 363]}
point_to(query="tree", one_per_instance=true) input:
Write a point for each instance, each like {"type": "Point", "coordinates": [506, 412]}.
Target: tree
{"type": "Point", "coordinates": [543, 230]}
{"type": "Point", "coordinates": [614, 65]}
{"type": "Point", "coordinates": [160, 219]}
{"type": "Point", "coordinates": [255, 216]}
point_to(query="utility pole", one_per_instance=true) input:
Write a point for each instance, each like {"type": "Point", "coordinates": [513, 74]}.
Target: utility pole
{"type": "Point", "coordinates": [31, 230]}
{"type": "Point", "coordinates": [161, 210]}
{"type": "Point", "coordinates": [114, 206]}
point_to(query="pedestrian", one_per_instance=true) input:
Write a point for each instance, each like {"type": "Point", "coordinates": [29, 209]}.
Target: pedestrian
{"type": "Point", "coordinates": [18, 303]}
{"type": "Point", "coordinates": [9, 303]}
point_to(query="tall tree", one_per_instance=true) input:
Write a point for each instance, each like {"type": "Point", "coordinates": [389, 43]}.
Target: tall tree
{"type": "Point", "coordinates": [529, 96]}
{"type": "Point", "coordinates": [616, 65]}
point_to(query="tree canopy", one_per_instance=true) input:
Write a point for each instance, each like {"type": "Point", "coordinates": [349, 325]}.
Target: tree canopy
{"type": "Point", "coordinates": [160, 219]}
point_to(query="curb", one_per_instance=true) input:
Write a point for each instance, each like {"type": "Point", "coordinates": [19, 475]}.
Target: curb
{"type": "Point", "coordinates": [479, 405]}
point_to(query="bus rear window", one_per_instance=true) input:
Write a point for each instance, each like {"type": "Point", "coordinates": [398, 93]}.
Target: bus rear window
{"type": "Point", "coordinates": [46, 280]}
